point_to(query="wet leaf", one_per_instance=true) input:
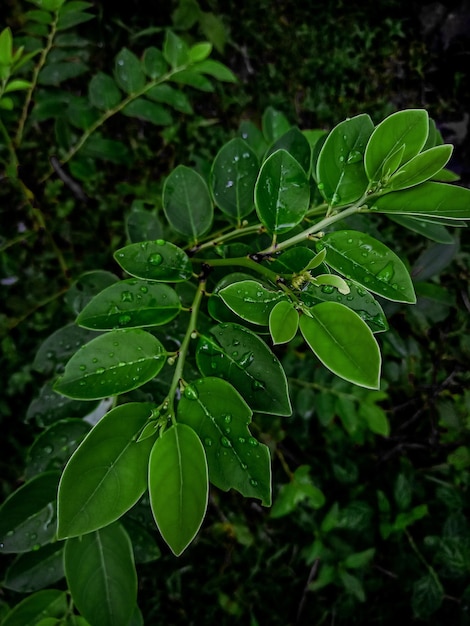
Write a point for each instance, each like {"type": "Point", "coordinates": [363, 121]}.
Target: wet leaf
{"type": "Point", "coordinates": [128, 72]}
{"type": "Point", "coordinates": [158, 260]}
{"type": "Point", "coordinates": [251, 300]}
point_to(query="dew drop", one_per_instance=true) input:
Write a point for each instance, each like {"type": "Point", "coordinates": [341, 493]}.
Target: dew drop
{"type": "Point", "coordinates": [241, 440]}
{"type": "Point", "coordinates": [227, 419]}
{"type": "Point", "coordinates": [253, 482]}
{"type": "Point", "coordinates": [208, 442]}
{"type": "Point", "coordinates": [253, 442]}
{"type": "Point", "coordinates": [327, 289]}
{"type": "Point", "coordinates": [144, 289]}
{"type": "Point", "coordinates": [160, 242]}
{"type": "Point", "coordinates": [244, 466]}
{"type": "Point", "coordinates": [124, 319]}
{"type": "Point", "coordinates": [386, 273]}
{"type": "Point", "coordinates": [82, 367]}
{"type": "Point", "coordinates": [246, 359]}
{"type": "Point", "coordinates": [127, 296]}
{"type": "Point", "coordinates": [191, 393]}
{"type": "Point", "coordinates": [226, 443]}
{"type": "Point", "coordinates": [257, 385]}
{"type": "Point", "coordinates": [48, 449]}
{"type": "Point", "coordinates": [100, 370]}
{"type": "Point", "coordinates": [155, 259]}
{"type": "Point", "coordinates": [354, 156]}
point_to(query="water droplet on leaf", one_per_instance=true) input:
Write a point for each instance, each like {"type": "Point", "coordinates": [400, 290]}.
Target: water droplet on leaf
{"type": "Point", "coordinates": [155, 259]}
{"type": "Point", "coordinates": [191, 393]}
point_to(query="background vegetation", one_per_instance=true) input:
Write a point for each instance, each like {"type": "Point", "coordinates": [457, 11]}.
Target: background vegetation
{"type": "Point", "coordinates": [393, 538]}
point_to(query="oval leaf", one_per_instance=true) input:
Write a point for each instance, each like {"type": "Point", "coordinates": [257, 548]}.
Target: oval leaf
{"type": "Point", "coordinates": [431, 199]}
{"type": "Point", "coordinates": [107, 472]}
{"type": "Point", "coordinates": [148, 111]}
{"type": "Point", "coordinates": [341, 176]}
{"type": "Point", "coordinates": [241, 357]}
{"type": "Point", "coordinates": [297, 145]}
{"type": "Point", "coordinates": [111, 364]}
{"type": "Point", "coordinates": [220, 416]}
{"type": "Point", "coordinates": [178, 486]}
{"type": "Point", "coordinates": [370, 263]}
{"type": "Point", "coordinates": [47, 603]}
{"type": "Point", "coordinates": [187, 203]}
{"type": "Point", "coordinates": [233, 178]}
{"type": "Point", "coordinates": [283, 322]}
{"type": "Point", "coordinates": [103, 92]}
{"type": "Point", "coordinates": [36, 570]}
{"type": "Point", "coordinates": [128, 72]}
{"type": "Point", "coordinates": [420, 168]}
{"type": "Point", "coordinates": [343, 343]}
{"type": "Point", "coordinates": [131, 304]}
{"type": "Point", "coordinates": [282, 193]}
{"type": "Point", "coordinates": [157, 260]}
{"type": "Point", "coordinates": [251, 301]}
{"type": "Point", "coordinates": [28, 515]}
{"type": "Point", "coordinates": [101, 576]}
{"type": "Point", "coordinates": [404, 130]}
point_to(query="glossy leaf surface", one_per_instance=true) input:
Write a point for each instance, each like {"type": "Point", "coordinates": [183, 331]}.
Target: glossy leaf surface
{"type": "Point", "coordinates": [233, 178]}
{"type": "Point", "coordinates": [178, 485]}
{"type": "Point", "coordinates": [187, 203]}
{"type": "Point", "coordinates": [101, 576]}
{"type": "Point", "coordinates": [237, 355]}
{"type": "Point", "coordinates": [283, 322]}
{"type": "Point", "coordinates": [220, 417]}
{"type": "Point", "coordinates": [274, 124]}
{"type": "Point", "coordinates": [297, 145]}
{"type": "Point", "coordinates": [28, 515]}
{"type": "Point", "coordinates": [131, 303]}
{"type": "Point", "coordinates": [43, 604]}
{"type": "Point", "coordinates": [340, 174]}
{"type": "Point", "coordinates": [282, 193]}
{"type": "Point", "coordinates": [36, 570]}
{"type": "Point", "coordinates": [251, 300]}
{"type": "Point", "coordinates": [111, 364]}
{"type": "Point", "coordinates": [420, 168]}
{"type": "Point", "coordinates": [405, 130]}
{"type": "Point", "coordinates": [370, 263]}
{"type": "Point", "coordinates": [158, 260]}
{"type": "Point", "coordinates": [343, 343]}
{"type": "Point", "coordinates": [106, 475]}
{"type": "Point", "coordinates": [427, 228]}
{"type": "Point", "coordinates": [429, 199]}
{"type": "Point", "coordinates": [55, 351]}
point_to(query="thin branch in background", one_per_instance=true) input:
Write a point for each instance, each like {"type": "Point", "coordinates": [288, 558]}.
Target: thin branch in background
{"type": "Point", "coordinates": [311, 576]}
{"type": "Point", "coordinates": [68, 180]}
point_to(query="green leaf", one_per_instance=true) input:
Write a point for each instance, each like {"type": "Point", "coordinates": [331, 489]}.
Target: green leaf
{"type": "Point", "coordinates": [282, 193]}
{"type": "Point", "coordinates": [131, 303]}
{"type": "Point", "coordinates": [233, 177]}
{"type": "Point", "coordinates": [97, 147]}
{"type": "Point", "coordinates": [352, 585]}
{"type": "Point", "coordinates": [103, 92]}
{"type": "Point", "coordinates": [376, 419]}
{"type": "Point", "coordinates": [370, 263]}
{"type": "Point", "coordinates": [298, 490]}
{"type": "Point", "coordinates": [54, 446]}
{"type": "Point", "coordinates": [101, 576]}
{"type": "Point", "coordinates": [340, 173]}
{"type": "Point", "coordinates": [237, 355]}
{"type": "Point", "coordinates": [274, 124]}
{"type": "Point", "coordinates": [153, 63]}
{"type": "Point", "coordinates": [217, 70]}
{"type": "Point", "coordinates": [36, 570]}
{"type": "Point", "coordinates": [148, 111]}
{"type": "Point", "coordinates": [142, 225]}
{"type": "Point", "coordinates": [158, 260]}
{"type": "Point", "coordinates": [343, 343]}
{"type": "Point", "coordinates": [420, 168]}
{"type": "Point", "coordinates": [28, 515]}
{"type": "Point", "coordinates": [173, 97]}
{"type": "Point", "coordinates": [213, 29]}
{"type": "Point", "coordinates": [428, 228]}
{"type": "Point", "coordinates": [427, 597]}
{"type": "Point", "coordinates": [193, 79]}
{"type": "Point", "coordinates": [55, 351]}
{"type": "Point", "coordinates": [187, 203]}
{"type": "Point", "coordinates": [404, 130]}
{"type": "Point", "coordinates": [47, 603]}
{"type": "Point", "coordinates": [17, 85]}
{"type": "Point", "coordinates": [178, 486]}
{"type": "Point", "coordinates": [55, 73]}
{"type": "Point", "coordinates": [69, 19]}
{"type": "Point", "coordinates": [220, 417]}
{"type": "Point", "coordinates": [175, 50]}
{"type": "Point", "coordinates": [6, 47]}
{"type": "Point", "coordinates": [106, 475]}
{"type": "Point", "coordinates": [253, 137]}
{"type": "Point", "coordinates": [283, 322]}
{"type": "Point", "coordinates": [111, 364]}
{"type": "Point", "coordinates": [81, 114]}
{"type": "Point", "coordinates": [49, 407]}
{"type": "Point", "coordinates": [200, 51]}
{"type": "Point", "coordinates": [251, 300]}
{"type": "Point", "coordinates": [431, 199]}
{"type": "Point", "coordinates": [296, 144]}
{"type": "Point", "coordinates": [128, 72]}
{"type": "Point", "coordinates": [359, 559]}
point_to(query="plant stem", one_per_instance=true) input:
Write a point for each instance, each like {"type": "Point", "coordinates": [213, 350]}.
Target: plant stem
{"type": "Point", "coordinates": [183, 351]}
{"type": "Point", "coordinates": [38, 67]}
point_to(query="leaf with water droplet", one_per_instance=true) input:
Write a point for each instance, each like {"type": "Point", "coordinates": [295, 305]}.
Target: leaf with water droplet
{"type": "Point", "coordinates": [241, 465]}
{"type": "Point", "coordinates": [142, 354]}
{"type": "Point", "coordinates": [282, 193]}
{"type": "Point", "coordinates": [126, 305]}
{"type": "Point", "coordinates": [343, 180]}
{"type": "Point", "coordinates": [36, 570]}
{"type": "Point", "coordinates": [251, 301]}
{"type": "Point", "coordinates": [262, 382]}
{"type": "Point", "coordinates": [128, 72]}
{"type": "Point", "coordinates": [107, 484]}
{"type": "Point", "coordinates": [345, 255]}
{"type": "Point", "coordinates": [233, 176]}
{"type": "Point", "coordinates": [59, 347]}
{"type": "Point", "coordinates": [28, 515]}
{"type": "Point", "coordinates": [145, 263]}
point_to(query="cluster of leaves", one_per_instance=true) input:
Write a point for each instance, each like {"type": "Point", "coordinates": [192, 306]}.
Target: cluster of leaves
{"type": "Point", "coordinates": [184, 389]}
